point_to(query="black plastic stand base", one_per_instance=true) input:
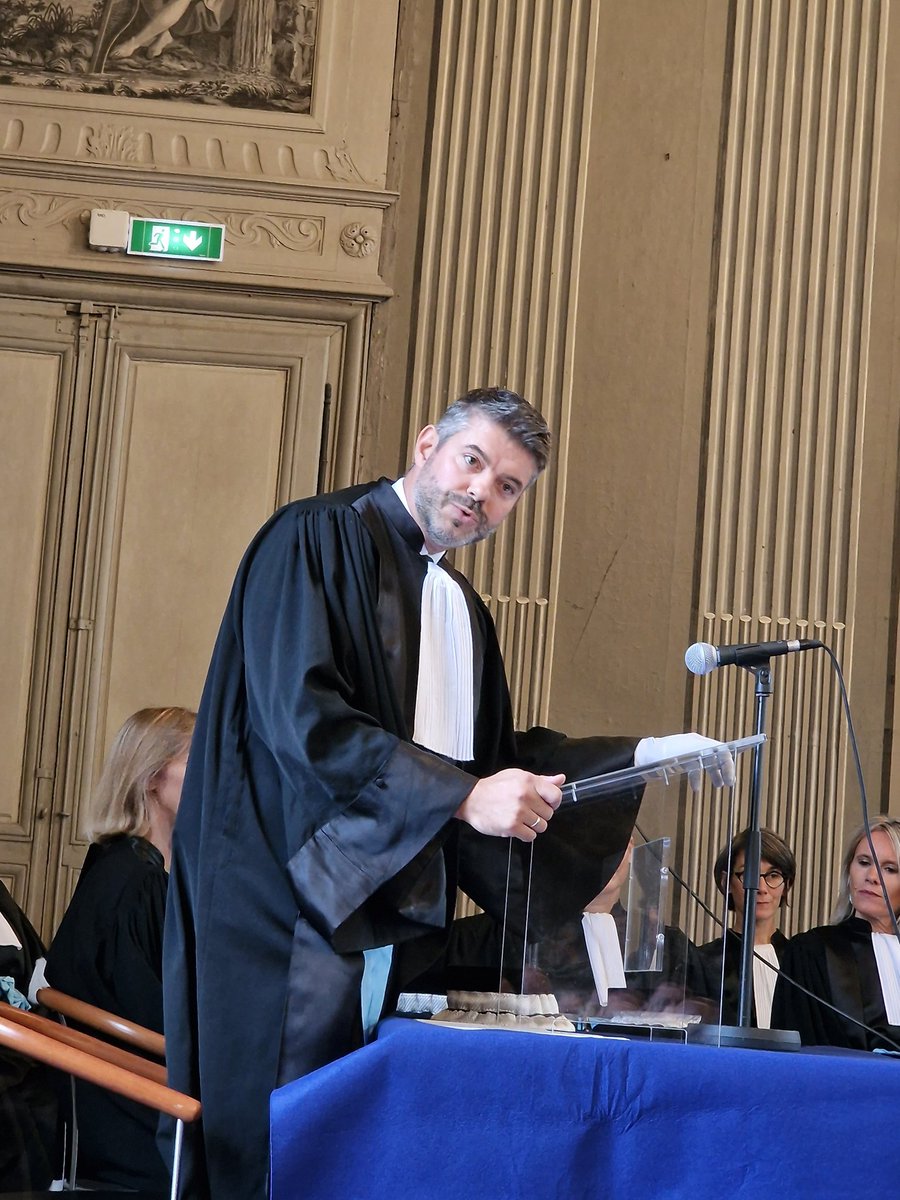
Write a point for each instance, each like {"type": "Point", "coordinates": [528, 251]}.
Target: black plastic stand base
{"type": "Point", "coordinates": [745, 1038]}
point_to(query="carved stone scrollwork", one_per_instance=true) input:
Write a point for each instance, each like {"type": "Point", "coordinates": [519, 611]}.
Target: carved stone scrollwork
{"type": "Point", "coordinates": [302, 235]}
{"type": "Point", "coordinates": [357, 240]}
{"type": "Point", "coordinates": [41, 212]}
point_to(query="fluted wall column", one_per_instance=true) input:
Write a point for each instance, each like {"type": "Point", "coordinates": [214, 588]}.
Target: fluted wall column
{"type": "Point", "coordinates": [500, 272]}
{"type": "Point", "coordinates": [788, 403]}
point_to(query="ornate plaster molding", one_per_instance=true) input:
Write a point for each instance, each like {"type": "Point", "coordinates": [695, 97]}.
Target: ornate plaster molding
{"type": "Point", "coordinates": [357, 240]}
{"type": "Point", "coordinates": [42, 212]}
{"type": "Point", "coordinates": [302, 235]}
{"type": "Point", "coordinates": [111, 143]}
{"type": "Point", "coordinates": [336, 161]}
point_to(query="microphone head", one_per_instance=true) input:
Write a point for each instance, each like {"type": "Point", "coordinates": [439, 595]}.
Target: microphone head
{"type": "Point", "coordinates": [701, 658]}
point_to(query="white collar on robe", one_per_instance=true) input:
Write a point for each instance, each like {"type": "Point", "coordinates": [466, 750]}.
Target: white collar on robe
{"type": "Point", "coordinates": [887, 956]}
{"type": "Point", "coordinates": [8, 936]}
{"type": "Point", "coordinates": [764, 976]}
{"type": "Point", "coordinates": [445, 690]}
{"type": "Point", "coordinates": [604, 952]}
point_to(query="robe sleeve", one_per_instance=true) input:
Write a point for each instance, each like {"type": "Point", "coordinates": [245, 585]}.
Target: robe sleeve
{"type": "Point", "coordinates": [361, 804]}
{"type": "Point", "coordinates": [804, 961]}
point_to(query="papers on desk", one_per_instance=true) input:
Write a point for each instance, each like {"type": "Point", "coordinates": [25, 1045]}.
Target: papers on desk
{"type": "Point", "coordinates": [420, 1003]}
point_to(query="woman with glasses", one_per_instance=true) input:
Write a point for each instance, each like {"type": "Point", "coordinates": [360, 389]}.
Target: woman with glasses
{"type": "Point", "coordinates": [854, 962]}
{"type": "Point", "coordinates": [721, 959]}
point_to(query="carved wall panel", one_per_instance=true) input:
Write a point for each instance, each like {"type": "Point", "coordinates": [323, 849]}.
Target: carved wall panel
{"type": "Point", "coordinates": [256, 54]}
{"type": "Point", "coordinates": [271, 242]}
{"type": "Point", "coordinates": [288, 184]}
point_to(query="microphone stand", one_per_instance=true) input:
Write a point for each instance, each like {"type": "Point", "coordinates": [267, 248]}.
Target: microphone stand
{"type": "Point", "coordinates": [763, 675]}
{"type": "Point", "coordinates": [744, 1033]}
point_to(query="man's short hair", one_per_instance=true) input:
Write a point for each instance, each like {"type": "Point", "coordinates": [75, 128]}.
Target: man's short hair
{"type": "Point", "coordinates": [512, 412]}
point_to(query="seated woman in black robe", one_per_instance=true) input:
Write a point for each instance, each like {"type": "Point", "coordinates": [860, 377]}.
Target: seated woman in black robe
{"type": "Point", "coordinates": [108, 949]}
{"type": "Point", "coordinates": [30, 1148]}
{"type": "Point", "coordinates": [777, 869]}
{"type": "Point", "coordinates": [853, 963]}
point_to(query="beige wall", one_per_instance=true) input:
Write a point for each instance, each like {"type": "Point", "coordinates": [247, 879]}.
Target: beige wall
{"type": "Point", "coordinates": [713, 339]}
{"type": "Point", "coordinates": [155, 374]}
{"type": "Point", "coordinates": [633, 445]}
{"type": "Point", "coordinates": [589, 202]}
{"type": "Point", "coordinates": [384, 434]}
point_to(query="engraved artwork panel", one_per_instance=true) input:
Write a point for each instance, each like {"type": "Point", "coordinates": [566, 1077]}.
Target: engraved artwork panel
{"type": "Point", "coordinates": [251, 54]}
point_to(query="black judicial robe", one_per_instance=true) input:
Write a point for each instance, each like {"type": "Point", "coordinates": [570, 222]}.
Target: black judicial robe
{"type": "Point", "coordinates": [836, 962]}
{"type": "Point", "coordinates": [108, 952]}
{"type": "Point", "coordinates": [19, 963]}
{"type": "Point", "coordinates": [709, 958]}
{"type": "Point", "coordinates": [30, 1146]}
{"type": "Point", "coordinates": [312, 828]}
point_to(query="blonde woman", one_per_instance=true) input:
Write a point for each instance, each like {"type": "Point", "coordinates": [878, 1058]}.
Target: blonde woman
{"type": "Point", "coordinates": [853, 963]}
{"type": "Point", "coordinates": [108, 949]}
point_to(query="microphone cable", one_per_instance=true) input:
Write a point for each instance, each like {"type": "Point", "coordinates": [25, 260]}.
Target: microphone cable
{"type": "Point", "coordinates": [845, 701]}
{"type": "Point", "coordinates": [781, 974]}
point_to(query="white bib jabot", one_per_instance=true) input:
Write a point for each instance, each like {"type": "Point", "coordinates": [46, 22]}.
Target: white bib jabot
{"type": "Point", "coordinates": [602, 940]}
{"type": "Point", "coordinates": [887, 956]}
{"type": "Point", "coordinates": [445, 689]}
{"type": "Point", "coordinates": [765, 975]}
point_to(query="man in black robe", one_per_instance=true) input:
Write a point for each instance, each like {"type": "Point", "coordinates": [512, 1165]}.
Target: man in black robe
{"type": "Point", "coordinates": [313, 827]}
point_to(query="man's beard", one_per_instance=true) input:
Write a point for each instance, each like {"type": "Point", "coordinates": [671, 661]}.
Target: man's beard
{"type": "Point", "coordinates": [440, 530]}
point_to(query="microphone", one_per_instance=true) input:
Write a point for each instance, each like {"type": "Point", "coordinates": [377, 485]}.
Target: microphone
{"type": "Point", "coordinates": [701, 658]}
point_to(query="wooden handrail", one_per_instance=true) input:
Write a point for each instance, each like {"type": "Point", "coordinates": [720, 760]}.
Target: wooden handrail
{"type": "Point", "coordinates": [95, 1070]}
{"type": "Point", "coordinates": [84, 1041]}
{"type": "Point", "coordinates": [105, 1022]}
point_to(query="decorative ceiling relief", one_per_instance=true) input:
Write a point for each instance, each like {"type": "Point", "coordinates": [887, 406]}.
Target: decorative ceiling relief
{"type": "Point", "coordinates": [245, 54]}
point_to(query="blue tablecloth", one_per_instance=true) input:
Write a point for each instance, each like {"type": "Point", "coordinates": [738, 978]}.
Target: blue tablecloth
{"type": "Point", "coordinates": [430, 1112]}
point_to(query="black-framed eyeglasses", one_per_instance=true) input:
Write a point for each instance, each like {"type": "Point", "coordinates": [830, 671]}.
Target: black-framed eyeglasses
{"type": "Point", "coordinates": [773, 879]}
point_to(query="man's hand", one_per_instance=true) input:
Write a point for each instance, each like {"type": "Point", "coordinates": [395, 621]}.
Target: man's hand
{"type": "Point", "coordinates": [512, 803]}
{"type": "Point", "coordinates": [712, 757]}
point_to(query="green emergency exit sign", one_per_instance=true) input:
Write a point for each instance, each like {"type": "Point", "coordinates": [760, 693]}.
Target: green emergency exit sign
{"type": "Point", "coordinates": [176, 239]}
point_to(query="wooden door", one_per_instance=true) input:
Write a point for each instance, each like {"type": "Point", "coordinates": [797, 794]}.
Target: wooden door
{"type": "Point", "coordinates": [165, 440]}
{"type": "Point", "coordinates": [47, 354]}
